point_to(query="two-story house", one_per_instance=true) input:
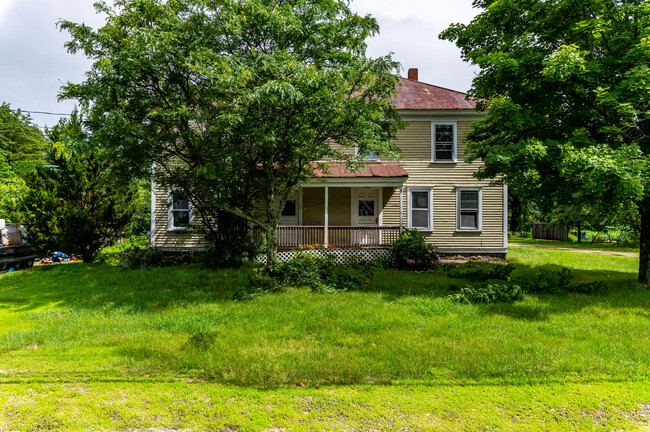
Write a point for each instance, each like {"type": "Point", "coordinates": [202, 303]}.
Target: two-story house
{"type": "Point", "coordinates": [430, 189]}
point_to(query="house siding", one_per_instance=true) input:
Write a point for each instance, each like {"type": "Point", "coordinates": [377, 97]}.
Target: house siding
{"type": "Point", "coordinates": [170, 240]}
{"type": "Point", "coordinates": [444, 178]}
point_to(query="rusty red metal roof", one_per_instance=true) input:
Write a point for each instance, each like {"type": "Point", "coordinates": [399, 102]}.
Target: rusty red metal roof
{"type": "Point", "coordinates": [371, 170]}
{"type": "Point", "coordinates": [415, 95]}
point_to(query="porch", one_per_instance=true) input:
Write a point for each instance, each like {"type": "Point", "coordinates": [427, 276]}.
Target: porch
{"type": "Point", "coordinates": [292, 237]}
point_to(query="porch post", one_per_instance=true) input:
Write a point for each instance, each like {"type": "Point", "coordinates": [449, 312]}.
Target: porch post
{"type": "Point", "coordinates": [401, 209]}
{"type": "Point", "coordinates": [327, 214]}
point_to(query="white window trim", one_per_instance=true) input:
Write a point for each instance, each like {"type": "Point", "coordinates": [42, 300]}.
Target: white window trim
{"type": "Point", "coordinates": [409, 216]}
{"type": "Point", "coordinates": [297, 197]}
{"type": "Point", "coordinates": [454, 158]}
{"type": "Point", "coordinates": [170, 213]}
{"type": "Point", "coordinates": [356, 153]}
{"type": "Point", "coordinates": [480, 208]}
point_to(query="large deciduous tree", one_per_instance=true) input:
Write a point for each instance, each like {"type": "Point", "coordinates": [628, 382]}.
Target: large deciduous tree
{"type": "Point", "coordinates": [234, 100]}
{"type": "Point", "coordinates": [566, 84]}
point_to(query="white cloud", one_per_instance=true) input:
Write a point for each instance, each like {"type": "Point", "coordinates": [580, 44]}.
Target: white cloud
{"type": "Point", "coordinates": [410, 29]}
{"type": "Point", "coordinates": [35, 63]}
{"type": "Point", "coordinates": [5, 6]}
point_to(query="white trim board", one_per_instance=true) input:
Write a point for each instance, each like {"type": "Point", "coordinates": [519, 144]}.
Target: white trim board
{"type": "Point", "coordinates": [472, 250]}
{"type": "Point", "coordinates": [505, 216]}
{"type": "Point", "coordinates": [454, 148]}
{"type": "Point", "coordinates": [346, 182]}
{"type": "Point", "coordinates": [152, 237]}
{"type": "Point", "coordinates": [459, 190]}
{"type": "Point", "coordinates": [409, 216]}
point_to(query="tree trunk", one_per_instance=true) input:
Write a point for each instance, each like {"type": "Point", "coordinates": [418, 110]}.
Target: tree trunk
{"type": "Point", "coordinates": [271, 246]}
{"type": "Point", "coordinates": [644, 250]}
{"type": "Point", "coordinates": [272, 219]}
{"type": "Point", "coordinates": [87, 256]}
{"type": "Point", "coordinates": [579, 233]}
{"type": "Point", "coordinates": [515, 213]}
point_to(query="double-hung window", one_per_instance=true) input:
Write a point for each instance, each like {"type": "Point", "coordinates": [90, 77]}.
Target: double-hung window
{"type": "Point", "coordinates": [443, 142]}
{"type": "Point", "coordinates": [468, 209]}
{"type": "Point", "coordinates": [420, 208]}
{"type": "Point", "coordinates": [180, 214]}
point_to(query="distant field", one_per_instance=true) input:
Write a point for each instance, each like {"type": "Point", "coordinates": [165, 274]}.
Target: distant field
{"type": "Point", "coordinates": [87, 347]}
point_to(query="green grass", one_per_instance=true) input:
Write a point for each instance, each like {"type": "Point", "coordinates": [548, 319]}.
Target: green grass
{"type": "Point", "coordinates": [613, 247]}
{"type": "Point", "coordinates": [96, 348]}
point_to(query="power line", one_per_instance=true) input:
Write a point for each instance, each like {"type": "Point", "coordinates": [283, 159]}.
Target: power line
{"type": "Point", "coordinates": [34, 112]}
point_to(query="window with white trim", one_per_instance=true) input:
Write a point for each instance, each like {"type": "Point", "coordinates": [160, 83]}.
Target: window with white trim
{"type": "Point", "coordinates": [366, 155]}
{"type": "Point", "coordinates": [443, 142]}
{"type": "Point", "coordinates": [420, 208]}
{"type": "Point", "coordinates": [180, 213]}
{"type": "Point", "coordinates": [289, 208]}
{"type": "Point", "coordinates": [468, 209]}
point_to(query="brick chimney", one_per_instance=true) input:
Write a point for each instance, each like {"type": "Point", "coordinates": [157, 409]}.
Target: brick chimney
{"type": "Point", "coordinates": [413, 74]}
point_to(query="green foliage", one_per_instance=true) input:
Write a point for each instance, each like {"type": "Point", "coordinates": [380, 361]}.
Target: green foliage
{"type": "Point", "coordinates": [321, 274]}
{"type": "Point", "coordinates": [141, 257]}
{"type": "Point", "coordinates": [411, 252]}
{"type": "Point", "coordinates": [20, 140]}
{"type": "Point", "coordinates": [22, 148]}
{"type": "Point", "coordinates": [110, 255]}
{"type": "Point", "coordinates": [231, 243]}
{"type": "Point", "coordinates": [595, 287]}
{"type": "Point", "coordinates": [567, 91]}
{"type": "Point", "coordinates": [141, 221]}
{"type": "Point", "coordinates": [494, 292]}
{"type": "Point", "coordinates": [235, 101]}
{"type": "Point", "coordinates": [547, 281]}
{"type": "Point", "coordinates": [484, 273]}
{"type": "Point", "coordinates": [75, 204]}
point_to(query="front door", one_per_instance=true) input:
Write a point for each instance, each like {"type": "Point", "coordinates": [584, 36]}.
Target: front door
{"type": "Point", "coordinates": [365, 207]}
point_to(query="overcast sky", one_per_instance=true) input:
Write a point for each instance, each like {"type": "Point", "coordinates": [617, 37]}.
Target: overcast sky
{"type": "Point", "coordinates": [34, 63]}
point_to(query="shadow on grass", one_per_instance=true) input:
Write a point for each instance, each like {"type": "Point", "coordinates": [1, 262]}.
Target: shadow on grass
{"type": "Point", "coordinates": [103, 288]}
{"type": "Point", "coordinates": [624, 291]}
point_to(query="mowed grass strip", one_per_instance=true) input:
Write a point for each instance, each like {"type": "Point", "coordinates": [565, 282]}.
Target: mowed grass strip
{"type": "Point", "coordinates": [177, 332]}
{"type": "Point", "coordinates": [199, 406]}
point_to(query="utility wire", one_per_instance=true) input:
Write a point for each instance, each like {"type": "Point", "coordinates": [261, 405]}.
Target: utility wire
{"type": "Point", "coordinates": [34, 112]}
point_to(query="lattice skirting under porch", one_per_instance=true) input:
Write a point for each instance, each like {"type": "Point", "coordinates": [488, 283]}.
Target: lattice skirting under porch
{"type": "Point", "coordinates": [340, 254]}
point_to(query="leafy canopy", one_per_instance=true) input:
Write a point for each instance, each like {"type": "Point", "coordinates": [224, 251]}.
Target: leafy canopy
{"type": "Point", "coordinates": [75, 203]}
{"type": "Point", "coordinates": [234, 100]}
{"type": "Point", "coordinates": [566, 85]}
{"type": "Point", "coordinates": [22, 148]}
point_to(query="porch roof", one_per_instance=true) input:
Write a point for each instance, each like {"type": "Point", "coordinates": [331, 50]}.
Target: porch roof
{"type": "Point", "coordinates": [370, 171]}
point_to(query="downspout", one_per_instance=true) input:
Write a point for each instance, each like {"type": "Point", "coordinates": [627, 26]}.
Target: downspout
{"type": "Point", "coordinates": [401, 209]}
{"type": "Point", "coordinates": [152, 228]}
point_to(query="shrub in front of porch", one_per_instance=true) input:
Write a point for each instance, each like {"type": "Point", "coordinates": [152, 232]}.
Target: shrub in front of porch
{"type": "Point", "coordinates": [411, 252]}
{"type": "Point", "coordinates": [320, 273]}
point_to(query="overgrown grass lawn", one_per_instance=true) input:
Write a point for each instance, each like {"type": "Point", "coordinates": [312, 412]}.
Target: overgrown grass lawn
{"type": "Point", "coordinates": [97, 348]}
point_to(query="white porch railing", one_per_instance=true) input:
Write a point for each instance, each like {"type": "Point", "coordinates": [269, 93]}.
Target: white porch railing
{"type": "Point", "coordinates": [290, 237]}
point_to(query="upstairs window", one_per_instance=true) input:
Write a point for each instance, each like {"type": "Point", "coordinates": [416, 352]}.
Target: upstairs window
{"type": "Point", "coordinates": [468, 208]}
{"type": "Point", "coordinates": [366, 155]}
{"type": "Point", "coordinates": [443, 142]}
{"type": "Point", "coordinates": [180, 217]}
